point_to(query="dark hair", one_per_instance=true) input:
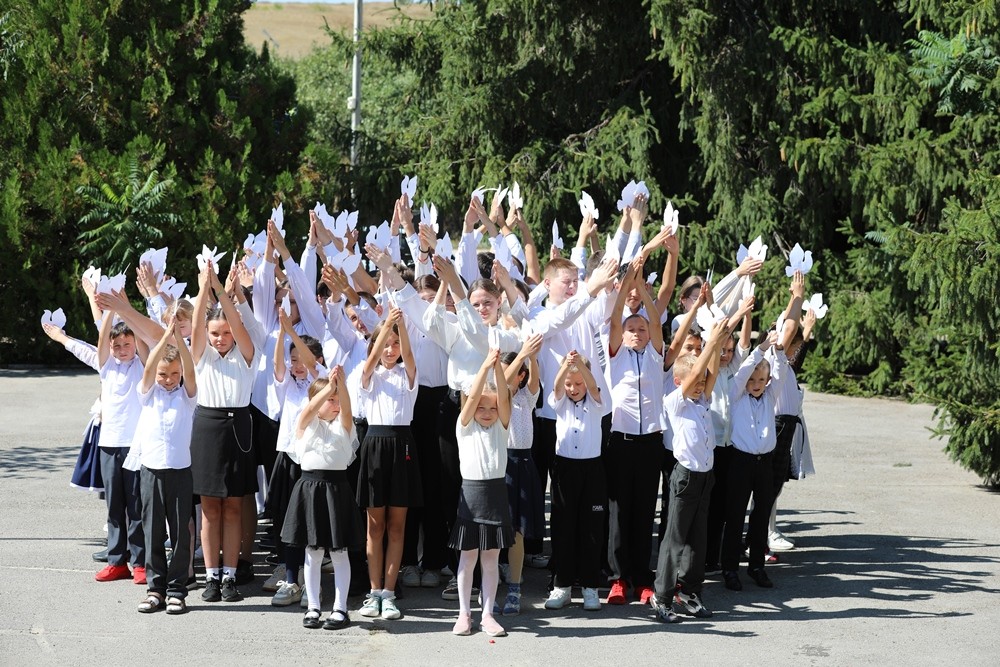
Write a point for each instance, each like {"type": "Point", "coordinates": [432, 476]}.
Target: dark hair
{"type": "Point", "coordinates": [314, 346]}
{"type": "Point", "coordinates": [485, 260]}
{"type": "Point", "coordinates": [405, 272]}
{"type": "Point", "coordinates": [322, 290]}
{"type": "Point", "coordinates": [170, 353]}
{"type": "Point", "coordinates": [428, 281]}
{"type": "Point", "coordinates": [367, 296]}
{"type": "Point", "coordinates": [486, 285]}
{"type": "Point", "coordinates": [374, 337]}
{"type": "Point", "coordinates": [121, 329]}
{"type": "Point", "coordinates": [692, 283]}
{"type": "Point", "coordinates": [593, 262]}
{"type": "Point", "coordinates": [523, 288]}
{"type": "Point", "coordinates": [215, 313]}
{"type": "Point", "coordinates": [507, 358]}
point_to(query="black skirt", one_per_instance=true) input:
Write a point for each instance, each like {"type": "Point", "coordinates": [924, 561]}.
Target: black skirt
{"type": "Point", "coordinates": [483, 520]}
{"type": "Point", "coordinates": [322, 512]}
{"type": "Point", "coordinates": [285, 474]}
{"type": "Point", "coordinates": [390, 471]}
{"type": "Point", "coordinates": [223, 462]}
{"type": "Point", "coordinates": [524, 495]}
{"type": "Point", "coordinates": [87, 472]}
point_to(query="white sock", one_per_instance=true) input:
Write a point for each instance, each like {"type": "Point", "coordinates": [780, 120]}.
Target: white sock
{"type": "Point", "coordinates": [341, 578]}
{"type": "Point", "coordinates": [228, 572]}
{"type": "Point", "coordinates": [386, 594]}
{"type": "Point", "coordinates": [314, 571]}
{"type": "Point", "coordinates": [212, 573]}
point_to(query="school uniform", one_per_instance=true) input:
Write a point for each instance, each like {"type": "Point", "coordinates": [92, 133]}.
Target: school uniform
{"type": "Point", "coordinates": [681, 561]}
{"type": "Point", "coordinates": [525, 494]}
{"type": "Point", "coordinates": [390, 473]}
{"type": "Point", "coordinates": [162, 447]}
{"type": "Point", "coordinates": [294, 396]}
{"type": "Point", "coordinates": [751, 468]}
{"type": "Point", "coordinates": [787, 408]}
{"type": "Point", "coordinates": [120, 411]}
{"type": "Point", "coordinates": [483, 520]}
{"type": "Point", "coordinates": [579, 490]}
{"type": "Point", "coordinates": [633, 459]}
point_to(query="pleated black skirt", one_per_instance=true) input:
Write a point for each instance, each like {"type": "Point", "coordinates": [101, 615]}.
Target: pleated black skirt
{"type": "Point", "coordinates": [285, 474]}
{"type": "Point", "coordinates": [390, 471]}
{"type": "Point", "coordinates": [322, 512]}
{"type": "Point", "coordinates": [223, 463]}
{"type": "Point", "coordinates": [483, 520]}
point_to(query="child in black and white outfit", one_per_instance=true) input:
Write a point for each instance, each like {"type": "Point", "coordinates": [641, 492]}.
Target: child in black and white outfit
{"type": "Point", "coordinates": [322, 513]}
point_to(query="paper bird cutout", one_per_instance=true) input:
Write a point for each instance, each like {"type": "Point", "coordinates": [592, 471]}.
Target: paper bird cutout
{"type": "Point", "coordinates": [278, 216]}
{"type": "Point", "coordinates": [499, 196]}
{"type": "Point", "coordinates": [757, 250]}
{"type": "Point", "coordinates": [157, 259]}
{"type": "Point", "coordinates": [92, 274]}
{"type": "Point", "coordinates": [556, 241]}
{"type": "Point", "coordinates": [630, 192]}
{"type": "Point", "coordinates": [514, 199]}
{"type": "Point", "coordinates": [286, 305]}
{"type": "Point", "coordinates": [379, 236]}
{"type": "Point", "coordinates": [493, 337]}
{"type": "Point", "coordinates": [478, 194]}
{"type": "Point", "coordinates": [611, 250]}
{"type": "Point", "coordinates": [56, 319]}
{"type": "Point", "coordinates": [815, 304]}
{"type": "Point", "coordinates": [652, 278]}
{"type": "Point", "coordinates": [671, 219]}
{"type": "Point", "coordinates": [501, 252]}
{"type": "Point", "coordinates": [799, 260]}
{"type": "Point", "coordinates": [409, 187]}
{"type": "Point", "coordinates": [707, 317]}
{"type": "Point", "coordinates": [207, 256]}
{"type": "Point", "coordinates": [346, 261]}
{"type": "Point", "coordinates": [443, 247]}
{"type": "Point", "coordinates": [324, 217]}
{"type": "Point", "coordinates": [429, 216]}
{"type": "Point", "coordinates": [587, 206]}
{"type": "Point", "coordinates": [173, 288]}
{"type": "Point", "coordinates": [749, 288]}
{"type": "Point", "coordinates": [108, 285]}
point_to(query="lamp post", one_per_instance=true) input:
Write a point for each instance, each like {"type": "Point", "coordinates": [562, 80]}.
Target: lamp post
{"type": "Point", "coordinates": [354, 101]}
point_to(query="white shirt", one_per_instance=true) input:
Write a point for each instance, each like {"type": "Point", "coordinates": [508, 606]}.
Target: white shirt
{"type": "Point", "coordinates": [389, 397]}
{"type": "Point", "coordinates": [752, 418]}
{"type": "Point", "coordinates": [294, 396]}
{"type": "Point", "coordinates": [578, 425]}
{"type": "Point", "coordinates": [522, 427]}
{"type": "Point", "coordinates": [325, 445]}
{"type": "Point", "coordinates": [225, 382]}
{"type": "Point", "coordinates": [636, 382]}
{"type": "Point", "coordinates": [482, 452]}
{"type": "Point", "coordinates": [433, 358]}
{"type": "Point", "coordinates": [163, 438]}
{"type": "Point", "coordinates": [788, 395]}
{"type": "Point", "coordinates": [120, 406]}
{"type": "Point", "coordinates": [722, 424]}
{"type": "Point", "coordinates": [691, 426]}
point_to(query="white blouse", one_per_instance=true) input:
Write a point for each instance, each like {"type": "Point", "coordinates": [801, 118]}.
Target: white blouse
{"type": "Point", "coordinates": [522, 427]}
{"type": "Point", "coordinates": [482, 452]}
{"type": "Point", "coordinates": [325, 445]}
{"type": "Point", "coordinates": [225, 382]}
{"type": "Point", "coordinates": [389, 398]}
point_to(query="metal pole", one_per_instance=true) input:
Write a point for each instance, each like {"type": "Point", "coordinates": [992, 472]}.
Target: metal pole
{"type": "Point", "coordinates": [354, 102]}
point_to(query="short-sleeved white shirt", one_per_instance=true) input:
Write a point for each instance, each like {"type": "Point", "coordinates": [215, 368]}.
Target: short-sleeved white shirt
{"type": "Point", "coordinates": [691, 425]}
{"type": "Point", "coordinates": [120, 405]}
{"type": "Point", "coordinates": [325, 445]}
{"type": "Point", "coordinates": [225, 382]}
{"type": "Point", "coordinates": [163, 437]}
{"type": "Point", "coordinates": [389, 398]}
{"type": "Point", "coordinates": [522, 428]}
{"type": "Point", "coordinates": [578, 426]}
{"type": "Point", "coordinates": [482, 452]}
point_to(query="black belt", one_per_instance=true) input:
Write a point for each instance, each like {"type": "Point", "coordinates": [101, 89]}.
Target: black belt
{"type": "Point", "coordinates": [650, 438]}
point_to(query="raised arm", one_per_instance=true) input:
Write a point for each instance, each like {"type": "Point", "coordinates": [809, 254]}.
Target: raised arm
{"type": "Point", "coordinates": [794, 310]}
{"type": "Point", "coordinates": [593, 388]}
{"type": "Point", "coordinates": [652, 311]}
{"type": "Point", "coordinates": [199, 334]}
{"type": "Point", "coordinates": [669, 282]}
{"type": "Point", "coordinates": [376, 350]}
{"type": "Point", "coordinates": [703, 366]}
{"type": "Point", "coordinates": [478, 384]}
{"type": "Point", "coordinates": [617, 312]}
{"type": "Point", "coordinates": [310, 412]}
{"type": "Point", "coordinates": [503, 392]}
{"type": "Point", "coordinates": [682, 330]}
{"type": "Point", "coordinates": [155, 355]}
{"type": "Point", "coordinates": [240, 334]}
{"type": "Point", "coordinates": [145, 329]}
{"type": "Point", "coordinates": [529, 352]}
{"type": "Point", "coordinates": [405, 349]}
{"type": "Point", "coordinates": [533, 268]}
{"type": "Point", "coordinates": [104, 338]}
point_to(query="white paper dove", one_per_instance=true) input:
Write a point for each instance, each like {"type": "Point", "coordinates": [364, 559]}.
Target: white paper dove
{"type": "Point", "coordinates": [206, 256]}
{"type": "Point", "coordinates": [671, 218]}
{"type": "Point", "coordinates": [409, 187]}
{"type": "Point", "coordinates": [443, 247]}
{"type": "Point", "coordinates": [352, 220]}
{"type": "Point", "coordinates": [429, 216]}
{"type": "Point", "coordinates": [286, 305]}
{"type": "Point", "coordinates": [493, 338]}
{"type": "Point", "coordinates": [815, 304]}
{"type": "Point", "coordinates": [799, 260]}
{"type": "Point", "coordinates": [324, 216]}
{"type": "Point", "coordinates": [629, 193]}
{"type": "Point", "coordinates": [108, 285]}
{"type": "Point", "coordinates": [278, 216]}
{"type": "Point", "coordinates": [556, 240]}
{"type": "Point", "coordinates": [346, 261]}
{"type": "Point", "coordinates": [749, 289]}
{"type": "Point", "coordinates": [157, 259]}
{"type": "Point", "coordinates": [478, 194]}
{"type": "Point", "coordinates": [611, 250]}
{"type": "Point", "coordinates": [707, 317]}
{"type": "Point", "coordinates": [339, 228]}
{"type": "Point", "coordinates": [379, 236]}
{"type": "Point", "coordinates": [652, 278]}
{"type": "Point", "coordinates": [501, 252]}
{"type": "Point", "coordinates": [173, 288]}
{"type": "Point", "coordinates": [587, 206]}
{"type": "Point", "coordinates": [56, 319]}
{"type": "Point", "coordinates": [514, 199]}
{"type": "Point", "coordinates": [92, 274]}
{"type": "Point", "coordinates": [757, 250]}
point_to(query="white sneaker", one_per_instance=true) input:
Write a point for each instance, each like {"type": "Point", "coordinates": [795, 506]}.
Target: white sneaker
{"type": "Point", "coordinates": [778, 542]}
{"type": "Point", "coordinates": [409, 575]}
{"type": "Point", "coordinates": [559, 597]}
{"type": "Point", "coordinates": [591, 600]}
{"type": "Point", "coordinates": [390, 611]}
{"type": "Point", "coordinates": [429, 579]}
{"type": "Point", "coordinates": [271, 585]}
{"type": "Point", "coordinates": [288, 594]}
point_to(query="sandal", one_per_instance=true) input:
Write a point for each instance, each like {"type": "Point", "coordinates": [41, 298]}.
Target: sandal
{"type": "Point", "coordinates": [176, 606]}
{"type": "Point", "coordinates": [152, 603]}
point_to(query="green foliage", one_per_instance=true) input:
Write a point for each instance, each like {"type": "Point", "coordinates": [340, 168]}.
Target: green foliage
{"type": "Point", "coordinates": [958, 69]}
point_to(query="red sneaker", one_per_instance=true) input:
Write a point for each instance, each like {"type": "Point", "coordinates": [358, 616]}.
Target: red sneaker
{"type": "Point", "coordinates": [113, 573]}
{"type": "Point", "coordinates": [617, 593]}
{"type": "Point", "coordinates": [644, 593]}
{"type": "Point", "coordinates": [139, 575]}
{"type": "Point", "coordinates": [770, 557]}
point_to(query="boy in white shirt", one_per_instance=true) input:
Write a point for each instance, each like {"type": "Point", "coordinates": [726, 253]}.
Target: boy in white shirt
{"type": "Point", "coordinates": [579, 490]}
{"type": "Point", "coordinates": [680, 568]}
{"type": "Point", "coordinates": [162, 445]}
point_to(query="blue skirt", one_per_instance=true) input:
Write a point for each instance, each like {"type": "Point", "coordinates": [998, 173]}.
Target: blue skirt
{"type": "Point", "coordinates": [87, 472]}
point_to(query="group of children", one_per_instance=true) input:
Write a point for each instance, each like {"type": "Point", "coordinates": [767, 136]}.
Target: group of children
{"type": "Point", "coordinates": [432, 405]}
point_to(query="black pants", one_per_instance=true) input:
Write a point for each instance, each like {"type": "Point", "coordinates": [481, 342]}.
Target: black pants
{"type": "Point", "coordinates": [579, 498]}
{"type": "Point", "coordinates": [429, 517]}
{"type": "Point", "coordinates": [451, 473]}
{"type": "Point", "coordinates": [749, 474]}
{"type": "Point", "coordinates": [682, 552]}
{"type": "Point", "coordinates": [717, 505]}
{"type": "Point", "coordinates": [668, 467]}
{"type": "Point", "coordinates": [632, 464]}
{"type": "Point", "coordinates": [166, 507]}
{"type": "Point", "coordinates": [126, 544]}
{"type": "Point", "coordinates": [543, 448]}
{"type": "Point", "coordinates": [784, 431]}
{"type": "Point", "coordinates": [265, 439]}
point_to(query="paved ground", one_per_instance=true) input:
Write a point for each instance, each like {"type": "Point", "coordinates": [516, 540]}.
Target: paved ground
{"type": "Point", "coordinates": [898, 562]}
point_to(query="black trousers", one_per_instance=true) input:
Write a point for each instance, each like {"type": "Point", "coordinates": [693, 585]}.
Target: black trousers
{"type": "Point", "coordinates": [682, 553]}
{"type": "Point", "coordinates": [430, 517]}
{"type": "Point", "coordinates": [717, 505]}
{"type": "Point", "coordinates": [784, 431]}
{"type": "Point", "coordinates": [126, 544]}
{"type": "Point", "coordinates": [632, 465]}
{"type": "Point", "coordinates": [579, 499]}
{"type": "Point", "coordinates": [749, 474]}
{"type": "Point", "coordinates": [166, 507]}
{"type": "Point", "coordinates": [667, 468]}
{"type": "Point", "coordinates": [265, 439]}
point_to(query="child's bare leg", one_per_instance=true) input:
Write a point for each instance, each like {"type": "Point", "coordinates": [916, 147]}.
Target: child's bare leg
{"type": "Point", "coordinates": [373, 547]}
{"type": "Point", "coordinates": [232, 530]}
{"type": "Point", "coordinates": [396, 526]}
{"type": "Point", "coordinates": [211, 530]}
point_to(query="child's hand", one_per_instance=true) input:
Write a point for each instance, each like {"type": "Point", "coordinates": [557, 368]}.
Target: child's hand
{"type": "Point", "coordinates": [798, 286]}
{"type": "Point", "coordinates": [276, 239]}
{"type": "Point", "coordinates": [501, 275]}
{"type": "Point", "coordinates": [89, 288]}
{"type": "Point", "coordinates": [746, 306]}
{"type": "Point", "coordinates": [492, 358]}
{"type": "Point", "coordinates": [444, 269]}
{"type": "Point", "coordinates": [286, 324]}
{"type": "Point", "coordinates": [204, 278]}
{"type": "Point", "coordinates": [381, 258]}
{"type": "Point", "coordinates": [395, 316]}
{"type": "Point", "coordinates": [749, 267]}
{"type": "Point", "coordinates": [428, 240]}
{"type": "Point", "coordinates": [704, 295]}
{"type": "Point", "coordinates": [145, 280]}
{"type": "Point", "coordinates": [532, 345]}
{"type": "Point", "coordinates": [336, 376]}
{"type": "Point", "coordinates": [571, 359]}
{"type": "Point", "coordinates": [588, 226]}
{"type": "Point", "coordinates": [604, 274]}
{"type": "Point", "coordinates": [771, 339]}
{"type": "Point", "coordinates": [54, 332]}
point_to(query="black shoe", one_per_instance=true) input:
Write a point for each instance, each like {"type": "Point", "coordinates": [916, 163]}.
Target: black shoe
{"type": "Point", "coordinates": [192, 584]}
{"type": "Point", "coordinates": [244, 572]}
{"type": "Point", "coordinates": [732, 578]}
{"type": "Point", "coordinates": [213, 591]}
{"type": "Point", "coordinates": [712, 568]}
{"type": "Point", "coordinates": [760, 577]}
{"type": "Point", "coordinates": [100, 556]}
{"type": "Point", "coordinates": [311, 620]}
{"type": "Point", "coordinates": [229, 592]}
{"type": "Point", "coordinates": [333, 623]}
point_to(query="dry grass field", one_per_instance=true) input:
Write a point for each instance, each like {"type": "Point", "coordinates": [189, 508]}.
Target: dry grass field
{"type": "Point", "coordinates": [293, 29]}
